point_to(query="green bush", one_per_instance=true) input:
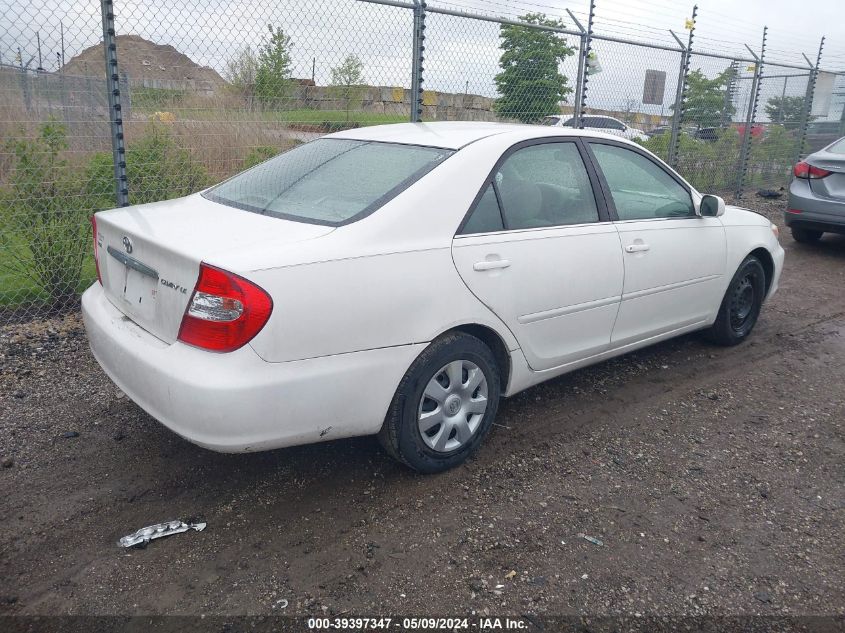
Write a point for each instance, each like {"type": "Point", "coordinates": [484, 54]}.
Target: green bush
{"type": "Point", "coordinates": [336, 126]}
{"type": "Point", "coordinates": [771, 158]}
{"type": "Point", "coordinates": [44, 209]}
{"type": "Point", "coordinates": [259, 155]}
{"type": "Point", "coordinates": [713, 166]}
{"type": "Point", "coordinates": [156, 169]}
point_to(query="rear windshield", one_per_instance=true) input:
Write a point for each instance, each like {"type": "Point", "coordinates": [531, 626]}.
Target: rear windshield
{"type": "Point", "coordinates": [838, 147]}
{"type": "Point", "coordinates": [328, 181]}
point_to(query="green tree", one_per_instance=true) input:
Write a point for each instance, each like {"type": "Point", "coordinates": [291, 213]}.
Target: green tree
{"type": "Point", "coordinates": [241, 72]}
{"type": "Point", "coordinates": [348, 83]}
{"type": "Point", "coordinates": [531, 84]}
{"type": "Point", "coordinates": [706, 105]}
{"type": "Point", "coordinates": [273, 75]}
{"type": "Point", "coordinates": [788, 111]}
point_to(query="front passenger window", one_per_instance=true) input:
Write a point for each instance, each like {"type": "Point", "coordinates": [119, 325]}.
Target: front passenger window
{"type": "Point", "coordinates": [641, 189]}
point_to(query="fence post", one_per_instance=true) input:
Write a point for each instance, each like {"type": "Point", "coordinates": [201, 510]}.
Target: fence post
{"type": "Point", "coordinates": [24, 76]}
{"type": "Point", "coordinates": [749, 118]}
{"type": "Point", "coordinates": [583, 68]}
{"type": "Point", "coordinates": [808, 103]}
{"type": "Point", "coordinates": [681, 92]}
{"type": "Point", "coordinates": [417, 61]}
{"type": "Point", "coordinates": [582, 45]}
{"type": "Point", "coordinates": [730, 93]}
{"type": "Point", "coordinates": [115, 113]}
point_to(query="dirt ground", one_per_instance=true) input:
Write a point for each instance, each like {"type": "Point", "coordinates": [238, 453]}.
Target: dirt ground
{"type": "Point", "coordinates": [715, 479]}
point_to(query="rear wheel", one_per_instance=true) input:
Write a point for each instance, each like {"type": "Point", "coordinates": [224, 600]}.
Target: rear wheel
{"type": "Point", "coordinates": [444, 406]}
{"type": "Point", "coordinates": [741, 304]}
{"type": "Point", "coordinates": [805, 236]}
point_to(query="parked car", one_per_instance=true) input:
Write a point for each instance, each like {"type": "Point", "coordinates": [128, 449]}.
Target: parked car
{"type": "Point", "coordinates": [816, 202]}
{"type": "Point", "coordinates": [708, 134]}
{"type": "Point", "coordinates": [596, 123]}
{"type": "Point", "coordinates": [757, 130]}
{"type": "Point", "coordinates": [398, 280]}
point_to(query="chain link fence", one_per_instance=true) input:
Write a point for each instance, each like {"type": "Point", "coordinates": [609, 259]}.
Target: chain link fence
{"type": "Point", "coordinates": [201, 90]}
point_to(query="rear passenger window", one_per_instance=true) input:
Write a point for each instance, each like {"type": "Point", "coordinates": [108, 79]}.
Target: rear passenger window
{"type": "Point", "coordinates": [486, 217]}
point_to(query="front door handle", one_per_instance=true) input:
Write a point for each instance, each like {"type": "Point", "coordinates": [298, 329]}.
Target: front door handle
{"type": "Point", "coordinates": [491, 264]}
{"type": "Point", "coordinates": [636, 248]}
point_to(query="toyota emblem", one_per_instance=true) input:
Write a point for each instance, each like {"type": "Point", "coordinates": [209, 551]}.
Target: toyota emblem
{"type": "Point", "coordinates": [127, 244]}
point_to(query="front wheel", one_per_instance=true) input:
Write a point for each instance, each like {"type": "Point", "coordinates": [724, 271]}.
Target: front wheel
{"type": "Point", "coordinates": [741, 304]}
{"type": "Point", "coordinates": [444, 406]}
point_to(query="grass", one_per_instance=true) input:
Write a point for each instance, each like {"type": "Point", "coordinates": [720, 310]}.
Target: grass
{"type": "Point", "coordinates": [153, 99]}
{"type": "Point", "coordinates": [18, 290]}
{"type": "Point", "coordinates": [337, 116]}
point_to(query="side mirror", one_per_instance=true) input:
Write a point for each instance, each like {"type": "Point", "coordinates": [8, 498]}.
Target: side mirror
{"type": "Point", "coordinates": [711, 206]}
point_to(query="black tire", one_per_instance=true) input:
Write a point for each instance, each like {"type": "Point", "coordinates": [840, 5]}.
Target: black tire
{"type": "Point", "coordinates": [805, 236]}
{"type": "Point", "coordinates": [401, 436]}
{"type": "Point", "coordinates": [741, 304]}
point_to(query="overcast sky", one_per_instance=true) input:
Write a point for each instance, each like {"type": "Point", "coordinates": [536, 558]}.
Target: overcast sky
{"type": "Point", "coordinates": [462, 54]}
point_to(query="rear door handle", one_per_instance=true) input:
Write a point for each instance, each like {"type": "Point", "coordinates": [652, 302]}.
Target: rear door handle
{"type": "Point", "coordinates": [491, 264]}
{"type": "Point", "coordinates": [636, 248]}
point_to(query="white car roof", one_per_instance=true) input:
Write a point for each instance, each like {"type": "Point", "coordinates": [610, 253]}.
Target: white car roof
{"type": "Point", "coordinates": [455, 134]}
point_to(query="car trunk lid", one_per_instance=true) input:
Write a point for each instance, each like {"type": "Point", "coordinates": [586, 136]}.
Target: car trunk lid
{"type": "Point", "coordinates": [149, 255]}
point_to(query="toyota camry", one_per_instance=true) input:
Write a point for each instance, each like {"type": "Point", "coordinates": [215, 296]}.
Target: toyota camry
{"type": "Point", "coordinates": [399, 280]}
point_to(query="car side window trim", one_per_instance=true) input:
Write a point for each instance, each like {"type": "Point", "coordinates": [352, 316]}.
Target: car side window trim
{"type": "Point", "coordinates": [498, 195]}
{"type": "Point", "coordinates": [605, 188]}
{"type": "Point", "coordinates": [592, 174]}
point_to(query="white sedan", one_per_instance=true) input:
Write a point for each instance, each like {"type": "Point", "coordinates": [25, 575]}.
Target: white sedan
{"type": "Point", "coordinates": [398, 280]}
{"type": "Point", "coordinates": [599, 123]}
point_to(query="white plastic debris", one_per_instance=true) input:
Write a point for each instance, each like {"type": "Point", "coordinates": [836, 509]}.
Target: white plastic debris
{"type": "Point", "coordinates": [591, 539]}
{"type": "Point", "coordinates": [159, 530]}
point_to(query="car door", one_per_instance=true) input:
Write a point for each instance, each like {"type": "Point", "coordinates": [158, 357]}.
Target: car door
{"type": "Point", "coordinates": [674, 259]}
{"type": "Point", "coordinates": [538, 248]}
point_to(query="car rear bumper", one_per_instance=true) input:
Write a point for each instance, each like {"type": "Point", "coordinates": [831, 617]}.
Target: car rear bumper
{"type": "Point", "coordinates": [238, 402]}
{"type": "Point", "coordinates": [808, 211]}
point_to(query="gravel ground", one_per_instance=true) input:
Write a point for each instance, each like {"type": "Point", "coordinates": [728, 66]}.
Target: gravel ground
{"type": "Point", "coordinates": [712, 477]}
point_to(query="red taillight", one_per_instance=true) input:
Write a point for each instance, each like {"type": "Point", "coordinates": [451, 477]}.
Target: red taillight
{"type": "Point", "coordinates": [225, 312]}
{"type": "Point", "coordinates": [806, 170]}
{"type": "Point", "coordinates": [96, 251]}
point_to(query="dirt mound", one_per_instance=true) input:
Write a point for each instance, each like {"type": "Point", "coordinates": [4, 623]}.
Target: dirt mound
{"type": "Point", "coordinates": [142, 59]}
